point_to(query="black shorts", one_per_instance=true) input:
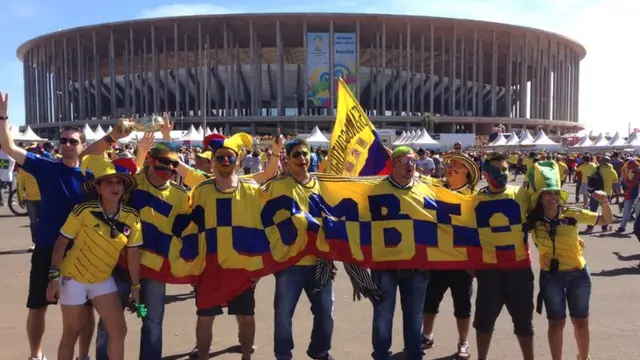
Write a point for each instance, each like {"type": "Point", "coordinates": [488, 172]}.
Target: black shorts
{"type": "Point", "coordinates": [243, 305]}
{"type": "Point", "coordinates": [39, 278]}
{"type": "Point", "coordinates": [513, 288]}
{"type": "Point", "coordinates": [461, 285]}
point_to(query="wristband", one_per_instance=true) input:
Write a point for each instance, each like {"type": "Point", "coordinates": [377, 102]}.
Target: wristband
{"type": "Point", "coordinates": [54, 275]}
{"type": "Point", "coordinates": [136, 286]}
{"type": "Point", "coordinates": [109, 139]}
{"type": "Point", "coordinates": [3, 118]}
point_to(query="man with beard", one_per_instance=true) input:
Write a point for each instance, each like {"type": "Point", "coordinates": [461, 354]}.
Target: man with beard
{"type": "Point", "coordinates": [60, 185]}
{"type": "Point", "coordinates": [159, 200]}
{"type": "Point", "coordinates": [512, 287]}
{"type": "Point", "coordinates": [206, 197]}
{"type": "Point", "coordinates": [310, 274]}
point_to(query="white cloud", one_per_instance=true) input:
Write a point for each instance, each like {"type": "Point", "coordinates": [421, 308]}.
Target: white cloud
{"type": "Point", "coordinates": [184, 10]}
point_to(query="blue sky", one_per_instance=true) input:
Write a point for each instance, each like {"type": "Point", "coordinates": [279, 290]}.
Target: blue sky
{"type": "Point", "coordinates": [609, 73]}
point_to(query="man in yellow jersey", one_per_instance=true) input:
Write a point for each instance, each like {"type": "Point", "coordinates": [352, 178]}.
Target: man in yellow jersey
{"type": "Point", "coordinates": [203, 161]}
{"type": "Point", "coordinates": [411, 283]}
{"type": "Point", "coordinates": [586, 169]}
{"type": "Point", "coordinates": [207, 198]}
{"type": "Point", "coordinates": [563, 169]}
{"type": "Point", "coordinates": [609, 178]}
{"type": "Point", "coordinates": [159, 200]}
{"type": "Point", "coordinates": [462, 176]}
{"type": "Point", "coordinates": [29, 195]}
{"type": "Point", "coordinates": [318, 285]}
{"type": "Point", "coordinates": [100, 230]}
{"type": "Point", "coordinates": [513, 287]}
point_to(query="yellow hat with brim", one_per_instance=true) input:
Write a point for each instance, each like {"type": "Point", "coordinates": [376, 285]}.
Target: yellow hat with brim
{"type": "Point", "coordinates": [238, 142]}
{"type": "Point", "coordinates": [545, 177]}
{"type": "Point", "coordinates": [103, 169]}
{"type": "Point", "coordinates": [474, 170]}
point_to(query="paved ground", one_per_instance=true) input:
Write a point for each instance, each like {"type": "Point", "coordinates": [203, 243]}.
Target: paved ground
{"type": "Point", "coordinates": [614, 321]}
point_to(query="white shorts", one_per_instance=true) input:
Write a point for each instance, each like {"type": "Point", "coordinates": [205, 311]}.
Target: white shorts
{"type": "Point", "coordinates": [584, 189]}
{"type": "Point", "coordinates": [73, 292]}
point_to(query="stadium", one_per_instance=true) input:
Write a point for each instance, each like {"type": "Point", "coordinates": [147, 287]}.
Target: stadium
{"type": "Point", "coordinates": [261, 72]}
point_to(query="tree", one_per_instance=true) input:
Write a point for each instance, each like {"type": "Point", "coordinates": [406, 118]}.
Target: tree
{"type": "Point", "coordinates": [429, 122]}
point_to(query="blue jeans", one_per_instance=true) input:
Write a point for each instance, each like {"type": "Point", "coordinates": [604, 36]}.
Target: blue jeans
{"type": "Point", "coordinates": [152, 295]}
{"type": "Point", "coordinates": [289, 285]}
{"type": "Point", "coordinates": [566, 289]}
{"type": "Point", "coordinates": [413, 288]}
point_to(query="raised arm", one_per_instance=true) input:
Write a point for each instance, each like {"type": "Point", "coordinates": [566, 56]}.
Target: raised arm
{"type": "Point", "coordinates": [144, 145]}
{"type": "Point", "coordinates": [271, 170]}
{"type": "Point", "coordinates": [6, 140]}
{"type": "Point", "coordinates": [100, 146]}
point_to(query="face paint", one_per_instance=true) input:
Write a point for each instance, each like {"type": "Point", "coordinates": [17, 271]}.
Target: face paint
{"type": "Point", "coordinates": [164, 173]}
{"type": "Point", "coordinates": [497, 178]}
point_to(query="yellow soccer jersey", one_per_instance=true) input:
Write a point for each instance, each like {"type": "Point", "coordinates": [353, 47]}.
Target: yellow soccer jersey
{"type": "Point", "coordinates": [95, 253]}
{"type": "Point", "coordinates": [503, 222]}
{"type": "Point", "coordinates": [563, 169]}
{"type": "Point", "coordinates": [300, 193]}
{"type": "Point", "coordinates": [587, 170]}
{"type": "Point", "coordinates": [158, 208]}
{"type": "Point", "coordinates": [232, 213]}
{"type": "Point", "coordinates": [195, 177]}
{"type": "Point", "coordinates": [27, 186]}
{"type": "Point", "coordinates": [568, 249]}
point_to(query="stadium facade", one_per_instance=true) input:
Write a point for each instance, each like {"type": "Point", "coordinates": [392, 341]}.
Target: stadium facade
{"type": "Point", "coordinates": [259, 72]}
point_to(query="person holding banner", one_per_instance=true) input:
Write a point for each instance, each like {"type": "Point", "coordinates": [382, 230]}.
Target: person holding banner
{"type": "Point", "coordinates": [159, 200]}
{"type": "Point", "coordinates": [100, 231]}
{"type": "Point", "coordinates": [462, 175]}
{"type": "Point", "coordinates": [206, 200]}
{"type": "Point", "coordinates": [565, 280]}
{"type": "Point", "coordinates": [313, 275]}
{"type": "Point", "coordinates": [500, 287]}
{"type": "Point", "coordinates": [411, 283]}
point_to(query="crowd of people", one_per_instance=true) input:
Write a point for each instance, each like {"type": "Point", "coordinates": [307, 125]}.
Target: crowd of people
{"type": "Point", "coordinates": [93, 213]}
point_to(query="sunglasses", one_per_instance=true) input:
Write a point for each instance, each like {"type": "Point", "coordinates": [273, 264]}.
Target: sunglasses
{"type": "Point", "coordinates": [168, 162]}
{"type": "Point", "coordinates": [298, 154]}
{"type": "Point", "coordinates": [230, 158]}
{"type": "Point", "coordinates": [406, 161]}
{"type": "Point", "coordinates": [70, 141]}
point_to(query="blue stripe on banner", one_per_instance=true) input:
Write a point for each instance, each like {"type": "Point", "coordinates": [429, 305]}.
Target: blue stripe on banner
{"type": "Point", "coordinates": [376, 159]}
{"type": "Point", "coordinates": [250, 241]}
{"type": "Point", "coordinates": [465, 236]}
{"type": "Point", "coordinates": [211, 238]}
{"type": "Point", "coordinates": [155, 240]}
{"type": "Point", "coordinates": [425, 233]}
{"type": "Point", "coordinates": [506, 248]}
{"type": "Point", "coordinates": [141, 199]}
{"type": "Point", "coordinates": [189, 250]}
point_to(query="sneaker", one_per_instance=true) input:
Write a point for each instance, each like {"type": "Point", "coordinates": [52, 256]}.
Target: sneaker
{"type": "Point", "coordinates": [463, 350]}
{"type": "Point", "coordinates": [194, 353]}
{"type": "Point", "coordinates": [36, 358]}
{"type": "Point", "coordinates": [620, 230]}
{"type": "Point", "coordinates": [578, 357]}
{"type": "Point", "coordinates": [427, 342]}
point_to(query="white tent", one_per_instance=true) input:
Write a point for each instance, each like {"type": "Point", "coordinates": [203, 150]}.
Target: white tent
{"type": "Point", "coordinates": [500, 140]}
{"type": "Point", "coordinates": [191, 136]}
{"type": "Point", "coordinates": [600, 141]}
{"type": "Point", "coordinates": [132, 137]}
{"type": "Point", "coordinates": [401, 138]}
{"type": "Point", "coordinates": [412, 136]}
{"type": "Point", "coordinates": [316, 138]}
{"type": "Point", "coordinates": [99, 133]}
{"type": "Point", "coordinates": [29, 135]}
{"type": "Point", "coordinates": [215, 131]}
{"type": "Point", "coordinates": [633, 141]}
{"type": "Point", "coordinates": [424, 140]}
{"type": "Point", "coordinates": [88, 133]}
{"type": "Point", "coordinates": [543, 142]}
{"type": "Point", "coordinates": [617, 142]}
{"type": "Point", "coordinates": [207, 131]}
{"type": "Point", "coordinates": [15, 132]}
{"type": "Point", "coordinates": [110, 129]}
{"type": "Point", "coordinates": [525, 138]}
{"type": "Point", "coordinates": [513, 140]}
{"type": "Point", "coordinates": [201, 131]}
{"type": "Point", "coordinates": [584, 142]}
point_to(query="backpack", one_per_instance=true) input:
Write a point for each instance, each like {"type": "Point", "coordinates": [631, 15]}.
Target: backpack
{"type": "Point", "coordinates": [595, 182]}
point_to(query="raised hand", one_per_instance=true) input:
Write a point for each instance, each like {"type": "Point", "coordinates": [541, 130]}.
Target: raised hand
{"type": "Point", "coordinates": [145, 144]}
{"type": "Point", "coordinates": [167, 127]}
{"type": "Point", "coordinates": [4, 104]}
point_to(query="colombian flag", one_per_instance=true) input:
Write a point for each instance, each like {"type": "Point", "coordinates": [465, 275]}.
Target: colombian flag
{"type": "Point", "coordinates": [355, 148]}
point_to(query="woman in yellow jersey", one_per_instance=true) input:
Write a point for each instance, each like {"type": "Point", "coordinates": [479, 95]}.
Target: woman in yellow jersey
{"type": "Point", "coordinates": [462, 176]}
{"type": "Point", "coordinates": [98, 232]}
{"type": "Point", "coordinates": [564, 276]}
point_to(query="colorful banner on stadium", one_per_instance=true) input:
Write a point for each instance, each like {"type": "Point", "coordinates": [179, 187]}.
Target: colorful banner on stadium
{"type": "Point", "coordinates": [318, 71]}
{"type": "Point", "coordinates": [344, 59]}
{"type": "Point", "coordinates": [359, 220]}
{"type": "Point", "coordinates": [355, 148]}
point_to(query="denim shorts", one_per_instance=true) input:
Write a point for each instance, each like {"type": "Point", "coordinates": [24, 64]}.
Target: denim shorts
{"type": "Point", "coordinates": [566, 288]}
